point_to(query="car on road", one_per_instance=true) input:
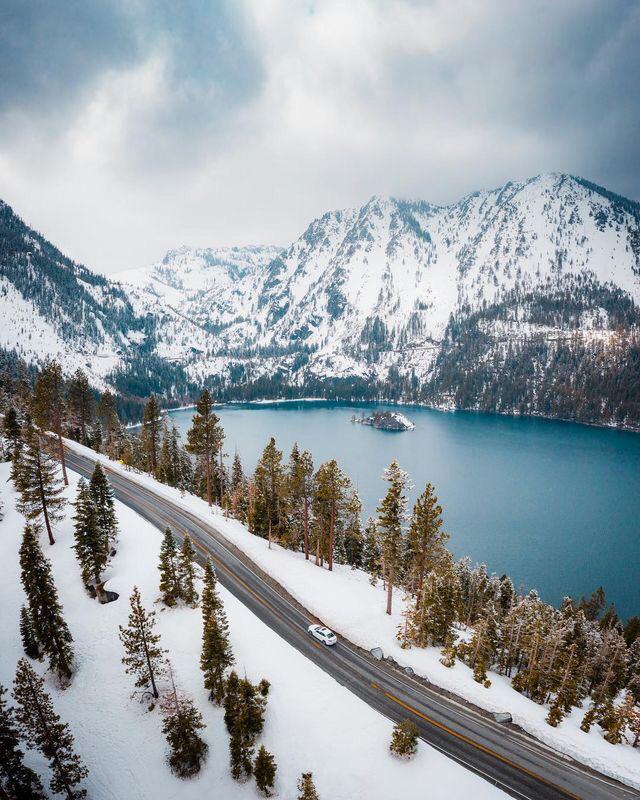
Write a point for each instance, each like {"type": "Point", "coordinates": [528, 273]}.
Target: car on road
{"type": "Point", "coordinates": [323, 634]}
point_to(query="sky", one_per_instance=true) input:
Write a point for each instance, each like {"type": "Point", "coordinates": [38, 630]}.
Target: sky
{"type": "Point", "coordinates": [128, 127]}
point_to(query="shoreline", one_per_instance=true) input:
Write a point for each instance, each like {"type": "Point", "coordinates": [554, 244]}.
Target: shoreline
{"type": "Point", "coordinates": [442, 407]}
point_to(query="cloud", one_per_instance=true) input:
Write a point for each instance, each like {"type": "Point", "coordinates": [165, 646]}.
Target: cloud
{"type": "Point", "coordinates": [129, 128]}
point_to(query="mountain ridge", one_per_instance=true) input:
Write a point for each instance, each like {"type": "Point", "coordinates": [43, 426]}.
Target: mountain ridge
{"type": "Point", "coordinates": [481, 303]}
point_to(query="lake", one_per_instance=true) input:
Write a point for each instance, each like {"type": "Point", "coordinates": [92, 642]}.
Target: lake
{"type": "Point", "coordinates": [556, 505]}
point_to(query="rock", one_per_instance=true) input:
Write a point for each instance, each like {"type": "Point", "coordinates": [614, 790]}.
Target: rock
{"type": "Point", "coordinates": [377, 653]}
{"type": "Point", "coordinates": [502, 716]}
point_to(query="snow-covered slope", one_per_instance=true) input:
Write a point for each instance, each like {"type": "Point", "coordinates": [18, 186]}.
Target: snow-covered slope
{"type": "Point", "coordinates": [51, 307]}
{"type": "Point", "coordinates": [369, 288]}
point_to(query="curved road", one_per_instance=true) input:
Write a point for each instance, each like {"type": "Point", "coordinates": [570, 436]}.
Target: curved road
{"type": "Point", "coordinates": [503, 755]}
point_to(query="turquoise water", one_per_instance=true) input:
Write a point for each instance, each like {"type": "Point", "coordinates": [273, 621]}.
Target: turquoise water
{"type": "Point", "coordinates": [555, 505]}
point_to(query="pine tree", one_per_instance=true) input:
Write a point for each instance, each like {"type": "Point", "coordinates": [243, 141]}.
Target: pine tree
{"type": "Point", "coordinates": [391, 512]}
{"type": "Point", "coordinates": [37, 481]}
{"type": "Point", "coordinates": [110, 424]}
{"type": "Point", "coordinates": [17, 781]}
{"type": "Point", "coordinates": [352, 531]}
{"type": "Point", "coordinates": [91, 545]}
{"type": "Point", "coordinates": [217, 655]}
{"type": "Point", "coordinates": [11, 431]}
{"type": "Point", "coordinates": [264, 770]}
{"type": "Point", "coordinates": [482, 647]}
{"type": "Point", "coordinates": [103, 501]}
{"type": "Point", "coordinates": [205, 439]}
{"type": "Point", "coordinates": [300, 493]}
{"type": "Point", "coordinates": [48, 406]}
{"type": "Point", "coordinates": [28, 635]}
{"type": "Point", "coordinates": [269, 479]}
{"type": "Point", "coordinates": [371, 552]}
{"type": "Point", "coordinates": [180, 728]}
{"type": "Point", "coordinates": [244, 707]}
{"type": "Point", "coordinates": [42, 729]}
{"type": "Point", "coordinates": [170, 584]}
{"type": "Point", "coordinates": [143, 655]}
{"type": "Point", "coordinates": [45, 610]}
{"type": "Point", "coordinates": [404, 739]}
{"type": "Point", "coordinates": [150, 434]}
{"type": "Point", "coordinates": [426, 537]}
{"type": "Point", "coordinates": [306, 787]}
{"type": "Point", "coordinates": [187, 572]}
{"type": "Point", "coordinates": [81, 404]}
{"type": "Point", "coordinates": [329, 499]}
{"type": "Point", "coordinates": [239, 504]}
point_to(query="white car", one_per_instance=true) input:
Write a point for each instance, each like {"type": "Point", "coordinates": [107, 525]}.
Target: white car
{"type": "Point", "coordinates": [323, 634]}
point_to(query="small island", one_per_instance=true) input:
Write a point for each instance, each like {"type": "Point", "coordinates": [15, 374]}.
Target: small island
{"type": "Point", "coordinates": [386, 421]}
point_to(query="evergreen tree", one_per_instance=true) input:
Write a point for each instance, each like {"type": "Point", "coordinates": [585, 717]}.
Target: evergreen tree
{"type": "Point", "coordinates": [45, 610]}
{"type": "Point", "coordinates": [425, 538]}
{"type": "Point", "coordinates": [482, 647]}
{"type": "Point", "coordinates": [103, 501]}
{"type": "Point", "coordinates": [187, 572]}
{"type": "Point", "coordinates": [170, 584]}
{"type": "Point", "coordinates": [91, 545]}
{"type": "Point", "coordinates": [48, 406]}
{"type": "Point", "coordinates": [329, 499]}
{"type": "Point", "coordinates": [352, 531]}
{"type": "Point", "coordinates": [244, 707]}
{"type": "Point", "coordinates": [239, 504]}
{"type": "Point", "coordinates": [81, 404]}
{"type": "Point", "coordinates": [216, 656]}
{"type": "Point", "coordinates": [391, 512]}
{"type": "Point", "coordinates": [306, 787]}
{"type": "Point", "coordinates": [11, 431]}
{"type": "Point", "coordinates": [150, 434]}
{"type": "Point", "coordinates": [28, 635]}
{"type": "Point", "coordinates": [264, 770]}
{"type": "Point", "coordinates": [181, 729]}
{"type": "Point", "coordinates": [170, 470]}
{"type": "Point", "coordinates": [205, 439]}
{"type": "Point", "coordinates": [269, 479]}
{"type": "Point", "coordinates": [42, 729]}
{"type": "Point", "coordinates": [371, 552]}
{"type": "Point", "coordinates": [143, 655]}
{"type": "Point", "coordinates": [404, 739]}
{"type": "Point", "coordinates": [17, 781]}
{"type": "Point", "coordinates": [300, 493]}
{"type": "Point", "coordinates": [37, 481]}
{"type": "Point", "coordinates": [110, 424]}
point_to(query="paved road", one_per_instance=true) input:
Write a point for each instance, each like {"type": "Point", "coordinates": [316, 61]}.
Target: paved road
{"type": "Point", "coordinates": [504, 756]}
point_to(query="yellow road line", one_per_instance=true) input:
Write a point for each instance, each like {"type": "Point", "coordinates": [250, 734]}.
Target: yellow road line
{"type": "Point", "coordinates": [478, 746]}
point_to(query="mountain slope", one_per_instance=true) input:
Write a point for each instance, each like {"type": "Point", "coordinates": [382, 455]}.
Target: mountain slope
{"type": "Point", "coordinates": [52, 307]}
{"type": "Point", "coordinates": [506, 300]}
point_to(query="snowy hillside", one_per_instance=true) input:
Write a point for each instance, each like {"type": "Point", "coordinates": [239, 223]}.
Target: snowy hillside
{"type": "Point", "coordinates": [121, 742]}
{"type": "Point", "coordinates": [51, 307]}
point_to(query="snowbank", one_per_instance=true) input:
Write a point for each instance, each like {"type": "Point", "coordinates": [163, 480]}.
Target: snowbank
{"type": "Point", "coordinates": [312, 723]}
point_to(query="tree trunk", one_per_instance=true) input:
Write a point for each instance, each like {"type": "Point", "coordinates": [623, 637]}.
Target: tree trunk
{"type": "Point", "coordinates": [208, 474]}
{"type": "Point", "coordinates": [269, 533]}
{"type": "Point", "coordinates": [150, 668]}
{"type": "Point", "coordinates": [62, 460]}
{"type": "Point", "coordinates": [44, 509]}
{"type": "Point", "coordinates": [332, 523]}
{"type": "Point", "coordinates": [389, 591]}
{"type": "Point", "coordinates": [306, 528]}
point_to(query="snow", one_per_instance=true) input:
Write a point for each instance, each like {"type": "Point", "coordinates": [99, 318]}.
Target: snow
{"type": "Point", "coordinates": [346, 602]}
{"type": "Point", "coordinates": [312, 723]}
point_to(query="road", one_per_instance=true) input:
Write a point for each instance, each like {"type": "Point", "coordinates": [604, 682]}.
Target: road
{"type": "Point", "coordinates": [503, 755]}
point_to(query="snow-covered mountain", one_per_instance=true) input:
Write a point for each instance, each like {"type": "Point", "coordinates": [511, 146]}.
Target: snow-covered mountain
{"type": "Point", "coordinates": [520, 299]}
{"type": "Point", "coordinates": [392, 294]}
{"type": "Point", "coordinates": [51, 307]}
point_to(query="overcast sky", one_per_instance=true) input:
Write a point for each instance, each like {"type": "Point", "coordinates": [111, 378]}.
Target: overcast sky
{"type": "Point", "coordinates": [127, 128]}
